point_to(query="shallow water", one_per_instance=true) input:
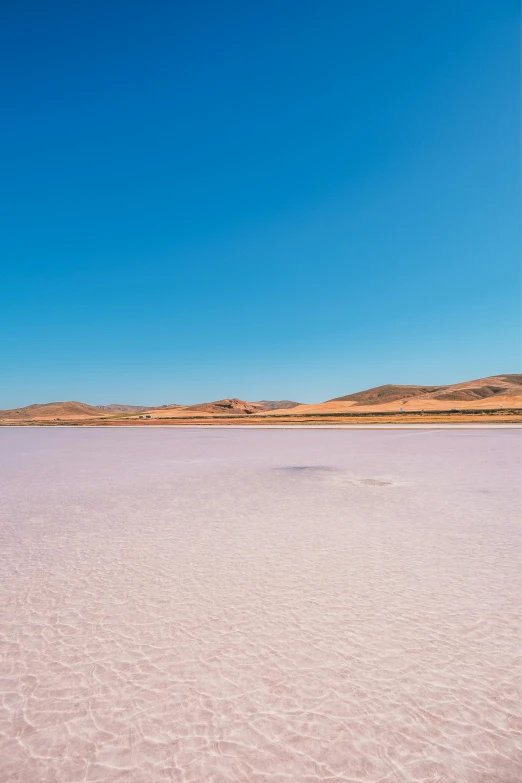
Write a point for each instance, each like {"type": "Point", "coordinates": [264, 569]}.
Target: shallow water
{"type": "Point", "coordinates": [197, 605]}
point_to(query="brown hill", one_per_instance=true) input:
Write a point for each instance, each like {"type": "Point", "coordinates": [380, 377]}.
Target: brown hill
{"type": "Point", "coordinates": [53, 410]}
{"type": "Point", "coordinates": [485, 393]}
{"type": "Point", "coordinates": [379, 395]}
{"type": "Point", "coordinates": [272, 405]}
{"type": "Point", "coordinates": [230, 406]}
{"type": "Point", "coordinates": [480, 389]}
{"type": "Point", "coordinates": [492, 392]}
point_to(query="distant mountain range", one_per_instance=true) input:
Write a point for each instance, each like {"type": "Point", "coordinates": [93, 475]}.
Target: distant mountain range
{"type": "Point", "coordinates": [228, 406]}
{"type": "Point", "coordinates": [81, 410]}
{"type": "Point", "coordinates": [495, 390]}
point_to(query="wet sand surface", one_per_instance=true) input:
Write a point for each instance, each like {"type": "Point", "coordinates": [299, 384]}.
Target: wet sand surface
{"type": "Point", "coordinates": [190, 605]}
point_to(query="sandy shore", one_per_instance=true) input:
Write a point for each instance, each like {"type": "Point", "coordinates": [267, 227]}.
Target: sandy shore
{"type": "Point", "coordinates": [226, 604]}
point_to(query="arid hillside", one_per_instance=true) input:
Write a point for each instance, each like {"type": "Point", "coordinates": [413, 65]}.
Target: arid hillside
{"type": "Point", "coordinates": [53, 410]}
{"type": "Point", "coordinates": [225, 407]}
{"type": "Point", "coordinates": [381, 395]}
{"type": "Point", "coordinates": [494, 393]}
{"type": "Point", "coordinates": [484, 388]}
{"type": "Point", "coordinates": [469, 390]}
{"type": "Point", "coordinates": [272, 405]}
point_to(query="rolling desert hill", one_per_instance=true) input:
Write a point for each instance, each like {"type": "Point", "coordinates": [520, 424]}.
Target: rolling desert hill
{"type": "Point", "coordinates": [483, 393]}
{"type": "Point", "coordinates": [71, 411]}
{"type": "Point", "coordinates": [491, 393]}
{"type": "Point", "coordinates": [484, 388]}
{"type": "Point", "coordinates": [227, 406]}
{"type": "Point", "coordinates": [469, 390]}
{"type": "Point", "coordinates": [272, 405]}
{"type": "Point", "coordinates": [53, 410]}
{"type": "Point", "coordinates": [388, 393]}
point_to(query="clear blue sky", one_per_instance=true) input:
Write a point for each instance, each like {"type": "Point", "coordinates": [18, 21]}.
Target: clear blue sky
{"type": "Point", "coordinates": [261, 199]}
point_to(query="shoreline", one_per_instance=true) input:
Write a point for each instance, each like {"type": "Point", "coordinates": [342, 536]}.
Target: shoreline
{"type": "Point", "coordinates": [495, 417]}
{"type": "Point", "coordinates": [359, 427]}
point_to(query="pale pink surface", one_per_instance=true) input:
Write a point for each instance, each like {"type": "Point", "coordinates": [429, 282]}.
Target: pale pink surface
{"type": "Point", "coordinates": [196, 605]}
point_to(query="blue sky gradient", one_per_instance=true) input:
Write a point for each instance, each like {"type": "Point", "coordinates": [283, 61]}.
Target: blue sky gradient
{"type": "Point", "coordinates": [257, 199]}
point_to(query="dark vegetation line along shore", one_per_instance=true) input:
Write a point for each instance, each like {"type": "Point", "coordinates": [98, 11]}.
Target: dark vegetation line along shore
{"type": "Point", "coordinates": [345, 414]}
